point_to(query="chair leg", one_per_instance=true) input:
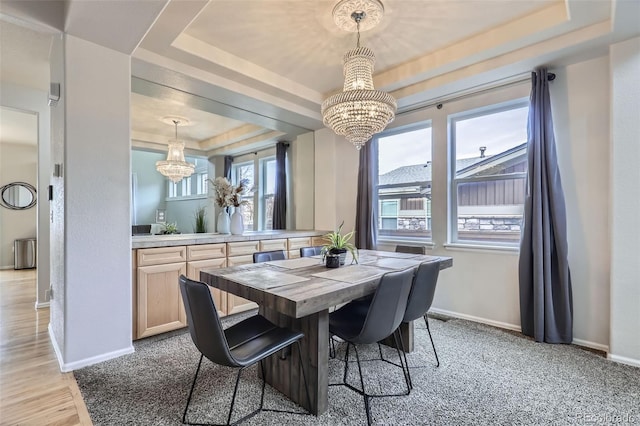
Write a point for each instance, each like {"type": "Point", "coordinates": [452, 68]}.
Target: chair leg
{"type": "Point", "coordinates": [364, 394]}
{"type": "Point", "coordinates": [233, 398]}
{"type": "Point", "coordinates": [401, 354]}
{"type": "Point", "coordinates": [346, 364]}
{"type": "Point", "coordinates": [193, 385]}
{"type": "Point", "coordinates": [432, 345]}
{"type": "Point", "coordinates": [332, 347]}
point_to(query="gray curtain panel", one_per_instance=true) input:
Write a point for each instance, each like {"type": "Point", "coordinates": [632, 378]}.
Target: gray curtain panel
{"type": "Point", "coordinates": [546, 305]}
{"type": "Point", "coordinates": [280, 196]}
{"type": "Point", "coordinates": [366, 220]}
{"type": "Point", "coordinates": [228, 161]}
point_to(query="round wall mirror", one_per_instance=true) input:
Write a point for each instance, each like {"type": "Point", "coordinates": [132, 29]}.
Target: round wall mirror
{"type": "Point", "coordinates": [18, 196]}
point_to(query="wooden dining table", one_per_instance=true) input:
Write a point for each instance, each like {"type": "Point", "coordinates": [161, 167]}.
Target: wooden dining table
{"type": "Point", "coordinates": [298, 293]}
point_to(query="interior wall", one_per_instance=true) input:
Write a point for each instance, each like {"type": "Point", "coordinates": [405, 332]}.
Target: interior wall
{"type": "Point", "coordinates": [151, 188]}
{"type": "Point", "coordinates": [302, 169]}
{"type": "Point", "coordinates": [18, 163]}
{"type": "Point", "coordinates": [483, 283]}
{"type": "Point", "coordinates": [35, 101]}
{"type": "Point", "coordinates": [625, 202]}
{"type": "Point", "coordinates": [335, 183]}
{"type": "Point", "coordinates": [579, 95]}
{"type": "Point", "coordinates": [95, 195]}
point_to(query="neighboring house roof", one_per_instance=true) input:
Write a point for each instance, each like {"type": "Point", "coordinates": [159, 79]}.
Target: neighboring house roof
{"type": "Point", "coordinates": [422, 172]}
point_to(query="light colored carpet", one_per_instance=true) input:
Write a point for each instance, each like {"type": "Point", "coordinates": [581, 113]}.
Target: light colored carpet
{"type": "Point", "coordinates": [487, 376]}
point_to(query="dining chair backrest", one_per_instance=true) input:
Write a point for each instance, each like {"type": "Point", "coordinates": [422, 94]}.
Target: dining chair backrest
{"type": "Point", "coordinates": [204, 323]}
{"type": "Point", "coordinates": [422, 291]}
{"type": "Point", "coordinates": [310, 251]}
{"type": "Point", "coordinates": [410, 249]}
{"type": "Point", "coordinates": [387, 307]}
{"type": "Point", "coordinates": [266, 256]}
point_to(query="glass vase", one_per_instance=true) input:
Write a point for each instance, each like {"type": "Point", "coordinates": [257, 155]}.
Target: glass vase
{"type": "Point", "coordinates": [237, 222]}
{"type": "Point", "coordinates": [223, 222]}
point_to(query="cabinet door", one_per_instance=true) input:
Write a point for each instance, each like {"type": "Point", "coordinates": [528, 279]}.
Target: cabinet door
{"type": "Point", "coordinates": [237, 304]}
{"type": "Point", "coordinates": [160, 307]}
{"type": "Point", "coordinates": [219, 297]}
{"type": "Point", "coordinates": [270, 245]}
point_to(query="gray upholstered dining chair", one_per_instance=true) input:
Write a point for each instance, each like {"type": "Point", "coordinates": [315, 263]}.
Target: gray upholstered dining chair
{"type": "Point", "coordinates": [410, 249]}
{"type": "Point", "coordinates": [367, 323]}
{"type": "Point", "coordinates": [240, 346]}
{"type": "Point", "coordinates": [421, 298]}
{"type": "Point", "coordinates": [267, 256]}
{"type": "Point", "coordinates": [310, 251]}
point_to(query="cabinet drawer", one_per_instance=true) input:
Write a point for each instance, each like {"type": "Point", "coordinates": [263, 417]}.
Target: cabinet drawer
{"type": "Point", "coordinates": [318, 241]}
{"type": "Point", "coordinates": [206, 251]}
{"type": "Point", "coordinates": [161, 255]}
{"type": "Point", "coordinates": [269, 245]}
{"type": "Point", "coordinates": [239, 260]}
{"type": "Point", "coordinates": [242, 247]}
{"type": "Point", "coordinates": [296, 243]}
{"type": "Point", "coordinates": [193, 272]}
{"type": "Point", "coordinates": [294, 254]}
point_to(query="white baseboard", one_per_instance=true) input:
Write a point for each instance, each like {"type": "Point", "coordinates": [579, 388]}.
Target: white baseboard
{"type": "Point", "coordinates": [6, 267]}
{"type": "Point", "coordinates": [514, 327]}
{"type": "Point", "coordinates": [592, 345]}
{"type": "Point", "coordinates": [624, 360]}
{"type": "Point", "coordinates": [499, 324]}
{"type": "Point", "coordinates": [70, 366]}
{"type": "Point", "coordinates": [42, 305]}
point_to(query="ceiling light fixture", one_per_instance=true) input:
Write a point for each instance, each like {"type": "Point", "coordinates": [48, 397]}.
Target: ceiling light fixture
{"type": "Point", "coordinates": [175, 167]}
{"type": "Point", "coordinates": [359, 111]}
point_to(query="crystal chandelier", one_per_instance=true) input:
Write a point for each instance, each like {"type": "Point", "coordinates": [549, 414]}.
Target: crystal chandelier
{"type": "Point", "coordinates": [175, 167]}
{"type": "Point", "coordinates": [359, 111]}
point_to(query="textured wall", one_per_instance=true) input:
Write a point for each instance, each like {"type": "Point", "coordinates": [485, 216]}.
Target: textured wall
{"type": "Point", "coordinates": [625, 201]}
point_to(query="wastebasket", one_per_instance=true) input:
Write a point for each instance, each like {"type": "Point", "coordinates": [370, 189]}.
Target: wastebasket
{"type": "Point", "coordinates": [24, 253]}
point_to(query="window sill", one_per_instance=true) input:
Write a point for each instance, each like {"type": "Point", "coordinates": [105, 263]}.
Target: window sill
{"type": "Point", "coordinates": [190, 197]}
{"type": "Point", "coordinates": [482, 247]}
{"type": "Point", "coordinates": [407, 240]}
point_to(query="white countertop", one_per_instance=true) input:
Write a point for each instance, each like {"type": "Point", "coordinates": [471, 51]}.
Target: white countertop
{"type": "Point", "coordinates": [149, 241]}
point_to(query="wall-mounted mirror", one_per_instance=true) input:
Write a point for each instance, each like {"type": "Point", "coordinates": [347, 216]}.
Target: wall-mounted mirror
{"type": "Point", "coordinates": [18, 196]}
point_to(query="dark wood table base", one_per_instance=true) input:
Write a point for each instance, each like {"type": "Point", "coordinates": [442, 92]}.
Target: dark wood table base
{"type": "Point", "coordinates": [285, 375]}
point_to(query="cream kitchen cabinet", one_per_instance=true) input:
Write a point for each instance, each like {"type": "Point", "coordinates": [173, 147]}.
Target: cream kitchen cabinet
{"type": "Point", "coordinates": [208, 256]}
{"type": "Point", "coordinates": [158, 300]}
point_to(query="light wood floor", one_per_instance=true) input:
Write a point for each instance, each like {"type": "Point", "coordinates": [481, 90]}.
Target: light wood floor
{"type": "Point", "coordinates": [33, 391]}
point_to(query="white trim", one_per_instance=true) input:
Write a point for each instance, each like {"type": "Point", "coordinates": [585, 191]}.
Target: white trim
{"type": "Point", "coordinates": [481, 320]}
{"type": "Point", "coordinates": [67, 367]}
{"type": "Point", "coordinates": [624, 360]}
{"type": "Point", "coordinates": [513, 327]}
{"type": "Point", "coordinates": [481, 247]}
{"type": "Point", "coordinates": [54, 343]}
{"type": "Point", "coordinates": [590, 344]}
{"type": "Point", "coordinates": [7, 267]}
{"type": "Point", "coordinates": [40, 305]}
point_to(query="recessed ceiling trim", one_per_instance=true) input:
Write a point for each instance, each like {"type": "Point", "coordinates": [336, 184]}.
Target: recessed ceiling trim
{"type": "Point", "coordinates": [516, 33]}
{"type": "Point", "coordinates": [248, 145]}
{"type": "Point", "coordinates": [161, 81]}
{"type": "Point", "coordinates": [232, 136]}
{"type": "Point", "coordinates": [226, 60]}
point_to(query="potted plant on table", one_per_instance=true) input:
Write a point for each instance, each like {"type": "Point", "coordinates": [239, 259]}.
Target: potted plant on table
{"type": "Point", "coordinates": [227, 195]}
{"type": "Point", "coordinates": [336, 243]}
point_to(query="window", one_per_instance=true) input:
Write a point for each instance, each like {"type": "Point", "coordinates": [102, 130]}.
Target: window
{"type": "Point", "coordinates": [245, 171]}
{"type": "Point", "coordinates": [202, 182]}
{"type": "Point", "coordinates": [194, 186]}
{"type": "Point", "coordinates": [404, 183]}
{"type": "Point", "coordinates": [260, 174]}
{"type": "Point", "coordinates": [186, 186]}
{"type": "Point", "coordinates": [268, 191]}
{"type": "Point", "coordinates": [489, 160]}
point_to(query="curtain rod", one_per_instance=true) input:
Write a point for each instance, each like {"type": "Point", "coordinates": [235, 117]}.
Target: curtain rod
{"type": "Point", "coordinates": [257, 151]}
{"type": "Point", "coordinates": [473, 91]}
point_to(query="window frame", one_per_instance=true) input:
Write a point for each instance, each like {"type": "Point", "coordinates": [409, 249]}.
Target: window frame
{"type": "Point", "coordinates": [453, 182]}
{"type": "Point", "coordinates": [389, 238]}
{"type": "Point", "coordinates": [263, 162]}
